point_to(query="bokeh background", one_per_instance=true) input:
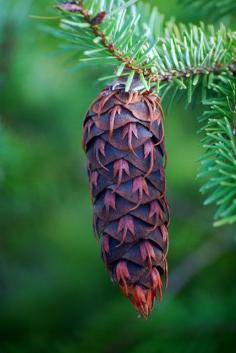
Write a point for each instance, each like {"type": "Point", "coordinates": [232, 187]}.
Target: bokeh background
{"type": "Point", "coordinates": [55, 294]}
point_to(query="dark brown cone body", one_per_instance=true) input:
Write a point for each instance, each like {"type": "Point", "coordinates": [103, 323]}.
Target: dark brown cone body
{"type": "Point", "coordinates": [124, 142]}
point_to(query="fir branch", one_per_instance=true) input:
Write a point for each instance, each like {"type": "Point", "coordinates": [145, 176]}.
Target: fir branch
{"type": "Point", "coordinates": [219, 161]}
{"type": "Point", "coordinates": [128, 42]}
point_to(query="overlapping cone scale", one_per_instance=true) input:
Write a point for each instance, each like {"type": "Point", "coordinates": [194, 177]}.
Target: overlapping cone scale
{"type": "Point", "coordinates": [124, 141]}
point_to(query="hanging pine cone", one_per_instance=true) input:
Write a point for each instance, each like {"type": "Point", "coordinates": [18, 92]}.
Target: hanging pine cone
{"type": "Point", "coordinates": [124, 142]}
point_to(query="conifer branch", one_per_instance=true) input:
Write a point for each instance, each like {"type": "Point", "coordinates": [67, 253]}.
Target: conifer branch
{"type": "Point", "coordinates": [178, 52]}
{"type": "Point", "coordinates": [130, 63]}
{"type": "Point", "coordinates": [218, 163]}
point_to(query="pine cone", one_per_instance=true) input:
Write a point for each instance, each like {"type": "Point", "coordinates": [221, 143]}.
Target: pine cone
{"type": "Point", "coordinates": [124, 141]}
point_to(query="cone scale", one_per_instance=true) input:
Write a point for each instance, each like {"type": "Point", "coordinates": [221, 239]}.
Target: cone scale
{"type": "Point", "coordinates": [123, 138]}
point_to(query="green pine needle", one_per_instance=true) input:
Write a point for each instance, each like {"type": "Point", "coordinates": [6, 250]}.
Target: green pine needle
{"type": "Point", "coordinates": [218, 163]}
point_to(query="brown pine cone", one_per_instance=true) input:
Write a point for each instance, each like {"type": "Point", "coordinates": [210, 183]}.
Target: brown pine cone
{"type": "Point", "coordinates": [124, 142]}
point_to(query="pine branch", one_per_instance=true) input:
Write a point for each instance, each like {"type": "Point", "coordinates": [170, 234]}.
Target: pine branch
{"type": "Point", "coordinates": [127, 42]}
{"type": "Point", "coordinates": [219, 161]}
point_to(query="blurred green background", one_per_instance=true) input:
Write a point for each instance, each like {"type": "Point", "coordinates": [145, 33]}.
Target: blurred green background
{"type": "Point", "coordinates": [55, 294]}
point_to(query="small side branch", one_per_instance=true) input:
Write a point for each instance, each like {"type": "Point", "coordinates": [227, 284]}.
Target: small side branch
{"type": "Point", "coordinates": [204, 70]}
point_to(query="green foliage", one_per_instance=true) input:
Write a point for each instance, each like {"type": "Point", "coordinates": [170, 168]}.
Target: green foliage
{"type": "Point", "coordinates": [214, 9]}
{"type": "Point", "coordinates": [12, 17]}
{"type": "Point", "coordinates": [13, 11]}
{"type": "Point", "coordinates": [219, 160]}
